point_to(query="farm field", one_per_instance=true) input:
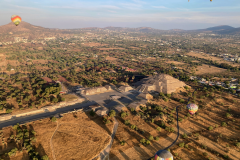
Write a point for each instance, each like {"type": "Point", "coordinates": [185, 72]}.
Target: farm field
{"type": "Point", "coordinates": [211, 133]}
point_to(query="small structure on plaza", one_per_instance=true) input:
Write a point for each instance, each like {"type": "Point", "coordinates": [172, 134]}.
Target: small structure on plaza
{"type": "Point", "coordinates": [94, 107]}
{"type": "Point", "coordinates": [102, 111]}
{"type": "Point", "coordinates": [136, 105]}
{"type": "Point", "coordinates": [145, 96]}
{"type": "Point", "coordinates": [125, 88]}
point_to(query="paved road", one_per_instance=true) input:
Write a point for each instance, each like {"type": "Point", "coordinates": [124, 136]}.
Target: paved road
{"type": "Point", "coordinates": [22, 120]}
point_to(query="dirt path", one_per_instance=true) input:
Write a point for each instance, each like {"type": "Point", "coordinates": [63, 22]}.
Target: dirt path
{"type": "Point", "coordinates": [104, 154]}
{"type": "Point", "coordinates": [51, 141]}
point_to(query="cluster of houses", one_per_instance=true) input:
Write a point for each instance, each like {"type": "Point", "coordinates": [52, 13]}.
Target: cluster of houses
{"type": "Point", "coordinates": [227, 57]}
{"type": "Point", "coordinates": [232, 85]}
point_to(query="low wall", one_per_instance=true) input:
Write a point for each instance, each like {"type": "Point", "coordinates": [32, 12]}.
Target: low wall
{"type": "Point", "coordinates": [5, 117]}
{"type": "Point", "coordinates": [42, 110]}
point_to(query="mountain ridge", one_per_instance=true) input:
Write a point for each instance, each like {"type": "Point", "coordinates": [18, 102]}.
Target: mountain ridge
{"type": "Point", "coordinates": [27, 27]}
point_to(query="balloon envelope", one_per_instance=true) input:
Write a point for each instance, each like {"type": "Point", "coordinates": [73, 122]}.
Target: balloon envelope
{"type": "Point", "coordinates": [192, 108]}
{"type": "Point", "coordinates": [163, 155]}
{"type": "Point", "coordinates": [16, 19]}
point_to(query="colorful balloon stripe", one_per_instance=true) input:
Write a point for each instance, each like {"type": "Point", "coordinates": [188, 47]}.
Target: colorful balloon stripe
{"type": "Point", "coordinates": [16, 19]}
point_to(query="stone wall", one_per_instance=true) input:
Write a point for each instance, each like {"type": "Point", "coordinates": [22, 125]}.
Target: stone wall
{"type": "Point", "coordinates": [42, 110]}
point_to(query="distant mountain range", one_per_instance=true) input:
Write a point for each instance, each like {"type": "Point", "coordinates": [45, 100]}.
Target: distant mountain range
{"type": "Point", "coordinates": [25, 27]}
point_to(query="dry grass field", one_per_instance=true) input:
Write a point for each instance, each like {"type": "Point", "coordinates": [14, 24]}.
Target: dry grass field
{"type": "Point", "coordinates": [205, 69]}
{"type": "Point", "coordinates": [79, 136]}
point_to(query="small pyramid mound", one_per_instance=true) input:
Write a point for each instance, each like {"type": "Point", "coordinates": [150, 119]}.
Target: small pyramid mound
{"type": "Point", "coordinates": [160, 83]}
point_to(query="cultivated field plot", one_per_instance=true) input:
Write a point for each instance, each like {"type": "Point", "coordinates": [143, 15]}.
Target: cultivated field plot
{"type": "Point", "coordinates": [104, 49]}
{"type": "Point", "coordinates": [175, 62]}
{"type": "Point", "coordinates": [73, 137]}
{"type": "Point", "coordinates": [208, 57]}
{"type": "Point", "coordinates": [111, 58]}
{"type": "Point", "coordinates": [205, 69]}
{"type": "Point", "coordinates": [92, 44]}
{"type": "Point", "coordinates": [211, 134]}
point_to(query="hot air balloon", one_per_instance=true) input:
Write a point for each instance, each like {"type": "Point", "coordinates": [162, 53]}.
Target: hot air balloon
{"type": "Point", "coordinates": [192, 108]}
{"type": "Point", "coordinates": [16, 19]}
{"type": "Point", "coordinates": [163, 155]}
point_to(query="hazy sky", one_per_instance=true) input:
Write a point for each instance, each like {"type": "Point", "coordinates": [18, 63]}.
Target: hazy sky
{"type": "Point", "coordinates": [160, 14]}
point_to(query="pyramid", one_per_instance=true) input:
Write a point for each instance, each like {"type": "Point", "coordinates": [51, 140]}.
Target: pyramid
{"type": "Point", "coordinates": [160, 83]}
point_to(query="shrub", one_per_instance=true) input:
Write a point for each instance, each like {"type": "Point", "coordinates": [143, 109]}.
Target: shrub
{"type": "Point", "coordinates": [210, 128]}
{"type": "Point", "coordinates": [186, 145]}
{"type": "Point", "coordinates": [127, 122]}
{"type": "Point", "coordinates": [122, 143]}
{"type": "Point", "coordinates": [185, 136]}
{"type": "Point", "coordinates": [133, 126]}
{"type": "Point", "coordinates": [228, 115]}
{"type": "Point", "coordinates": [132, 109]}
{"type": "Point", "coordinates": [8, 111]}
{"type": "Point", "coordinates": [161, 94]}
{"type": "Point", "coordinates": [224, 124]}
{"type": "Point", "coordinates": [143, 141]}
{"type": "Point", "coordinates": [181, 144]}
{"type": "Point", "coordinates": [152, 120]}
{"type": "Point", "coordinates": [112, 113]}
{"type": "Point", "coordinates": [205, 153]}
{"type": "Point", "coordinates": [225, 156]}
{"type": "Point", "coordinates": [181, 101]}
{"type": "Point", "coordinates": [53, 119]}
{"type": "Point", "coordinates": [169, 129]}
{"type": "Point", "coordinates": [92, 113]}
{"type": "Point", "coordinates": [150, 137]}
{"type": "Point", "coordinates": [45, 157]}
{"type": "Point", "coordinates": [168, 95]}
{"type": "Point", "coordinates": [204, 146]}
{"type": "Point", "coordinates": [159, 129]}
{"type": "Point", "coordinates": [237, 144]}
{"type": "Point", "coordinates": [148, 142]}
{"type": "Point", "coordinates": [197, 134]}
{"type": "Point", "coordinates": [123, 114]}
{"type": "Point", "coordinates": [180, 119]}
{"type": "Point", "coordinates": [156, 138]}
{"type": "Point", "coordinates": [108, 121]}
{"type": "Point", "coordinates": [165, 99]}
